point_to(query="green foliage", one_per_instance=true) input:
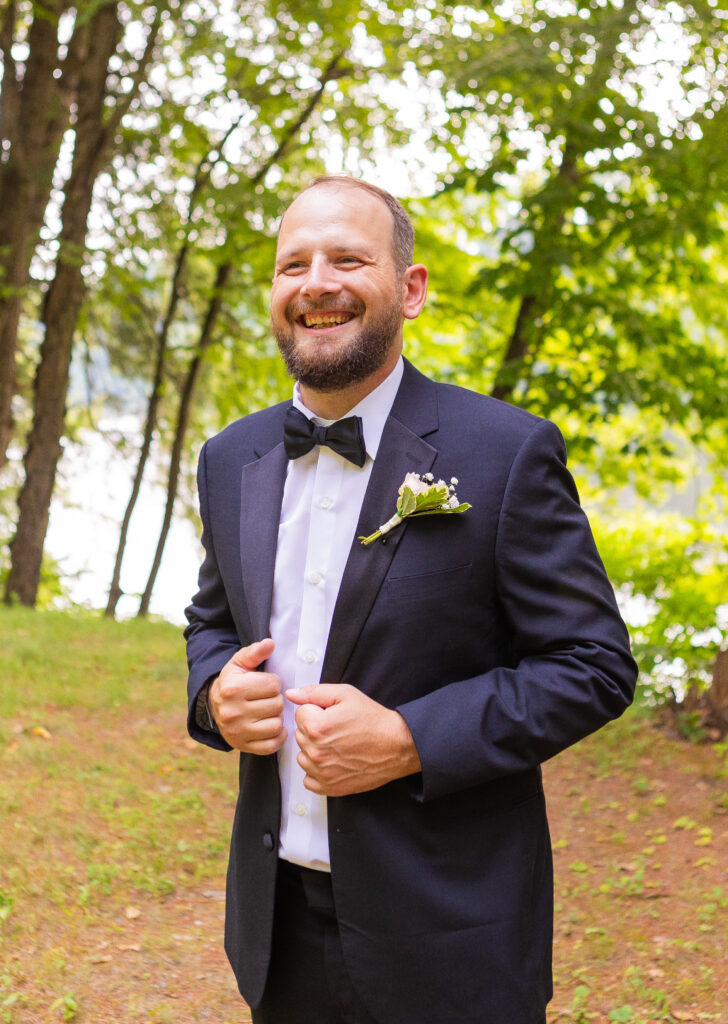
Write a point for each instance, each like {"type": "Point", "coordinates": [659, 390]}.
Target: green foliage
{"type": "Point", "coordinates": [575, 237]}
{"type": "Point", "coordinates": [670, 571]}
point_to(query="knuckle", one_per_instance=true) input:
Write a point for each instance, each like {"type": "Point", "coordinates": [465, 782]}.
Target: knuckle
{"type": "Point", "coordinates": [226, 715]}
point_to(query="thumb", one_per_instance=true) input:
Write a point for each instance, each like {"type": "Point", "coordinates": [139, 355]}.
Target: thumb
{"type": "Point", "coordinates": [248, 658]}
{"type": "Point", "coordinates": [323, 695]}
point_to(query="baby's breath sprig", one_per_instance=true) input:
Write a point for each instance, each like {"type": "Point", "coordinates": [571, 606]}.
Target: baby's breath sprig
{"type": "Point", "coordinates": [421, 496]}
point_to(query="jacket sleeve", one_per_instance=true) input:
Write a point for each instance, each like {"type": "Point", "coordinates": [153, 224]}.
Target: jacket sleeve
{"type": "Point", "coordinates": [211, 635]}
{"type": "Point", "coordinates": [573, 669]}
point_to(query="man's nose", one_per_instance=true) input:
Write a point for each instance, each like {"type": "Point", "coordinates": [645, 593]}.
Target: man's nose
{"type": "Point", "coordinates": [321, 279]}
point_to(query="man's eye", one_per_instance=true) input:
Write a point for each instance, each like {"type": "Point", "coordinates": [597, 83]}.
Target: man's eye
{"type": "Point", "coordinates": [349, 259]}
{"type": "Point", "coordinates": [292, 268]}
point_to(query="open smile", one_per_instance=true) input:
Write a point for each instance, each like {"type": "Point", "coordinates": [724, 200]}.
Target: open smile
{"type": "Point", "coordinates": [324, 320]}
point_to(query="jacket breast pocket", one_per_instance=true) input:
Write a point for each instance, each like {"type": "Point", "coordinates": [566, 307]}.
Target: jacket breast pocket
{"type": "Point", "coordinates": [434, 587]}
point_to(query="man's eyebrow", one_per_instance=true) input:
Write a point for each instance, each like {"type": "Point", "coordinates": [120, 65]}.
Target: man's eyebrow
{"type": "Point", "coordinates": [292, 254]}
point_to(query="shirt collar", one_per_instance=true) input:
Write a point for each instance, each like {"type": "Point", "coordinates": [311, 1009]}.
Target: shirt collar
{"type": "Point", "coordinates": [374, 408]}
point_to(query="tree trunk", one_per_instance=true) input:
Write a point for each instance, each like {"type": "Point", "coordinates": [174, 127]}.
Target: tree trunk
{"type": "Point", "coordinates": [528, 328]}
{"type": "Point", "coordinates": [717, 694]}
{"type": "Point", "coordinates": [33, 116]}
{"type": "Point", "coordinates": [60, 313]}
{"type": "Point", "coordinates": [519, 343]}
{"type": "Point", "coordinates": [183, 416]}
{"type": "Point", "coordinates": [155, 395]}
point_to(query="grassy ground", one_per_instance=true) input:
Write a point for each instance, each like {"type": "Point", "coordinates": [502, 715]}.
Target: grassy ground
{"type": "Point", "coordinates": [114, 829]}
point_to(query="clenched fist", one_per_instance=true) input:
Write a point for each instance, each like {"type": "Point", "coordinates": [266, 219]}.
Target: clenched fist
{"type": "Point", "coordinates": [248, 705]}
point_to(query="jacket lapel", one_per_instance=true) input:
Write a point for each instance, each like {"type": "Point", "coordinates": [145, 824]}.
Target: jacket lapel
{"type": "Point", "coordinates": [402, 450]}
{"type": "Point", "coordinates": [260, 511]}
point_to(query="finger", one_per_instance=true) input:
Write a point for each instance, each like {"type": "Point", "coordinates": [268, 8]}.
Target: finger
{"type": "Point", "coordinates": [265, 729]}
{"type": "Point", "coordinates": [233, 715]}
{"type": "Point", "coordinates": [253, 686]}
{"type": "Point", "coordinates": [313, 786]}
{"type": "Point", "coordinates": [250, 657]}
{"type": "Point", "coordinates": [269, 746]}
{"type": "Point", "coordinates": [311, 722]}
{"type": "Point", "coordinates": [323, 695]}
{"type": "Point", "coordinates": [265, 708]}
{"type": "Point", "coordinates": [270, 734]}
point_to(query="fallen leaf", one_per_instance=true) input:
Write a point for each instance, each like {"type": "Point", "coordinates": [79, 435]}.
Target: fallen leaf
{"type": "Point", "coordinates": [11, 747]}
{"type": "Point", "coordinates": [101, 959]}
{"type": "Point", "coordinates": [190, 744]}
{"type": "Point", "coordinates": [17, 729]}
{"type": "Point", "coordinates": [40, 730]}
{"type": "Point", "coordinates": [131, 947]}
{"type": "Point", "coordinates": [166, 768]}
{"type": "Point", "coordinates": [132, 913]}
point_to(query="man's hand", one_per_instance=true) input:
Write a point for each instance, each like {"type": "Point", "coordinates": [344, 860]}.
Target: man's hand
{"type": "Point", "coordinates": [348, 742]}
{"type": "Point", "coordinates": [247, 705]}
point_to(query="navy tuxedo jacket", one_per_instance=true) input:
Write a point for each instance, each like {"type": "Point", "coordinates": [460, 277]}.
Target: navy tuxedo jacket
{"type": "Point", "coordinates": [495, 634]}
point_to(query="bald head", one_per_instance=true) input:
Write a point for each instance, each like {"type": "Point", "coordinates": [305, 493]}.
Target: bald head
{"type": "Point", "coordinates": [403, 235]}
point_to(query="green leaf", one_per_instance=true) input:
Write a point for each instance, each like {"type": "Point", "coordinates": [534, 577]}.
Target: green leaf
{"type": "Point", "coordinates": [407, 502]}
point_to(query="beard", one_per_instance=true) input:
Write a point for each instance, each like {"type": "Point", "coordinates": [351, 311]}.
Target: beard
{"type": "Point", "coordinates": [351, 362]}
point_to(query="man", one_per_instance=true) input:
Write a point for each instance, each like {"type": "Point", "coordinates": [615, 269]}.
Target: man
{"type": "Point", "coordinates": [392, 702]}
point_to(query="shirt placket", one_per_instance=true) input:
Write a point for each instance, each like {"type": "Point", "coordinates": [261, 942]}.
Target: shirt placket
{"type": "Point", "coordinates": [316, 614]}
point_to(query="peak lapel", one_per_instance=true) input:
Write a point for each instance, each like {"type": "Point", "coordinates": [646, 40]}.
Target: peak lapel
{"type": "Point", "coordinates": [402, 450]}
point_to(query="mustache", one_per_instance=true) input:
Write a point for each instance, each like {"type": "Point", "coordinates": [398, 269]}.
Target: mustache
{"type": "Point", "coordinates": [297, 308]}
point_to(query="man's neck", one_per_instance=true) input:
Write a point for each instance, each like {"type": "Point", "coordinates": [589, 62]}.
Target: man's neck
{"type": "Point", "coordinates": [332, 405]}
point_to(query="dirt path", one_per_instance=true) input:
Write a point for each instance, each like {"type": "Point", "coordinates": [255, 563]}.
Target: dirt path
{"type": "Point", "coordinates": [113, 901]}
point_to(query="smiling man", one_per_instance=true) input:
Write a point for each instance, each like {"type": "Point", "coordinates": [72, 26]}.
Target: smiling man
{"type": "Point", "coordinates": [391, 702]}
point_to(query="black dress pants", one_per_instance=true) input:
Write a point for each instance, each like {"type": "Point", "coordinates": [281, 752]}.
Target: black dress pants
{"type": "Point", "coordinates": [308, 982]}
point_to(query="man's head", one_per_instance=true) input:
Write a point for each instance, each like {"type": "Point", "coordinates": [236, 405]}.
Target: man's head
{"type": "Point", "coordinates": [344, 282]}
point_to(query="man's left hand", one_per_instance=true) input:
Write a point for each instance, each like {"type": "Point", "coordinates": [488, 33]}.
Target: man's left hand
{"type": "Point", "coordinates": [348, 742]}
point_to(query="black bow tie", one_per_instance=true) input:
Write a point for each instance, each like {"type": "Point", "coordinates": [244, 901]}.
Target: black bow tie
{"type": "Point", "coordinates": [300, 434]}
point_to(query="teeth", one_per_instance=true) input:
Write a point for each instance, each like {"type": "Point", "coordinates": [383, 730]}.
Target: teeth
{"type": "Point", "coordinates": [325, 319]}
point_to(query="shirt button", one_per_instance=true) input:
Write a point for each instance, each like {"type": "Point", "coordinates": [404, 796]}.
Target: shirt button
{"type": "Point", "coordinates": [325, 503]}
{"type": "Point", "coordinates": [300, 810]}
{"type": "Point", "coordinates": [310, 657]}
{"type": "Point", "coordinates": [315, 578]}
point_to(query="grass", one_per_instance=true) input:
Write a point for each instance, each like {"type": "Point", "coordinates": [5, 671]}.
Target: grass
{"type": "Point", "coordinates": [115, 826]}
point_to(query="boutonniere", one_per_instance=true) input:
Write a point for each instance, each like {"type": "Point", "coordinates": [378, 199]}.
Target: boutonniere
{"type": "Point", "coordinates": [421, 496]}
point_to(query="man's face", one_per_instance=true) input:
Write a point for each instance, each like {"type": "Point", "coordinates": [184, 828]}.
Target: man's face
{"type": "Point", "coordinates": [336, 301]}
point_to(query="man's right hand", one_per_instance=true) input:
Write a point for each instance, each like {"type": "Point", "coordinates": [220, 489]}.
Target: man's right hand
{"type": "Point", "coordinates": [248, 705]}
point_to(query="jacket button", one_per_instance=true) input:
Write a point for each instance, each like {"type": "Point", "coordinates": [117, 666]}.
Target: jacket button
{"type": "Point", "coordinates": [269, 841]}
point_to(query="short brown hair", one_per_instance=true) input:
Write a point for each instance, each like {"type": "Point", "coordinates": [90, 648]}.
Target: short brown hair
{"type": "Point", "coordinates": [403, 234]}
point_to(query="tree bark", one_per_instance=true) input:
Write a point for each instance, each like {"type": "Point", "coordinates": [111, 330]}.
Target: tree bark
{"type": "Point", "coordinates": [60, 312]}
{"type": "Point", "coordinates": [528, 329]}
{"type": "Point", "coordinates": [717, 694]}
{"type": "Point", "coordinates": [183, 417]}
{"type": "Point", "coordinates": [34, 113]}
{"type": "Point", "coordinates": [155, 395]}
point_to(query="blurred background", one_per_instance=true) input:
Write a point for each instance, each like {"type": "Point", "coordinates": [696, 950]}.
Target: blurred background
{"type": "Point", "coordinates": [565, 167]}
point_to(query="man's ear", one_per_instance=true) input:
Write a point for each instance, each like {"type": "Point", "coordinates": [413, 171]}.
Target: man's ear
{"type": "Point", "coordinates": [414, 287]}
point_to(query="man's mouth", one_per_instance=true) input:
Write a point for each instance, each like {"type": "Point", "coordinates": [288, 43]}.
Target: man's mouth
{"type": "Point", "coordinates": [318, 321]}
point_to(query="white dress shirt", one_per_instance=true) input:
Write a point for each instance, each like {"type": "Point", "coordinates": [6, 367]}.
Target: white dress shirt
{"type": "Point", "coordinates": [322, 499]}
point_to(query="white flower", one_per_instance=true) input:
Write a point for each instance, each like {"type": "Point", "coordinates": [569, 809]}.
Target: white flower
{"type": "Point", "coordinates": [415, 483]}
{"type": "Point", "coordinates": [421, 496]}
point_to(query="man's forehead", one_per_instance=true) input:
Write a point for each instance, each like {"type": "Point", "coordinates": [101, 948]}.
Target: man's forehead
{"type": "Point", "coordinates": [334, 199]}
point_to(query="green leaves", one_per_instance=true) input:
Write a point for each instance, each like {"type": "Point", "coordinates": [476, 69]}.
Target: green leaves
{"type": "Point", "coordinates": [407, 503]}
